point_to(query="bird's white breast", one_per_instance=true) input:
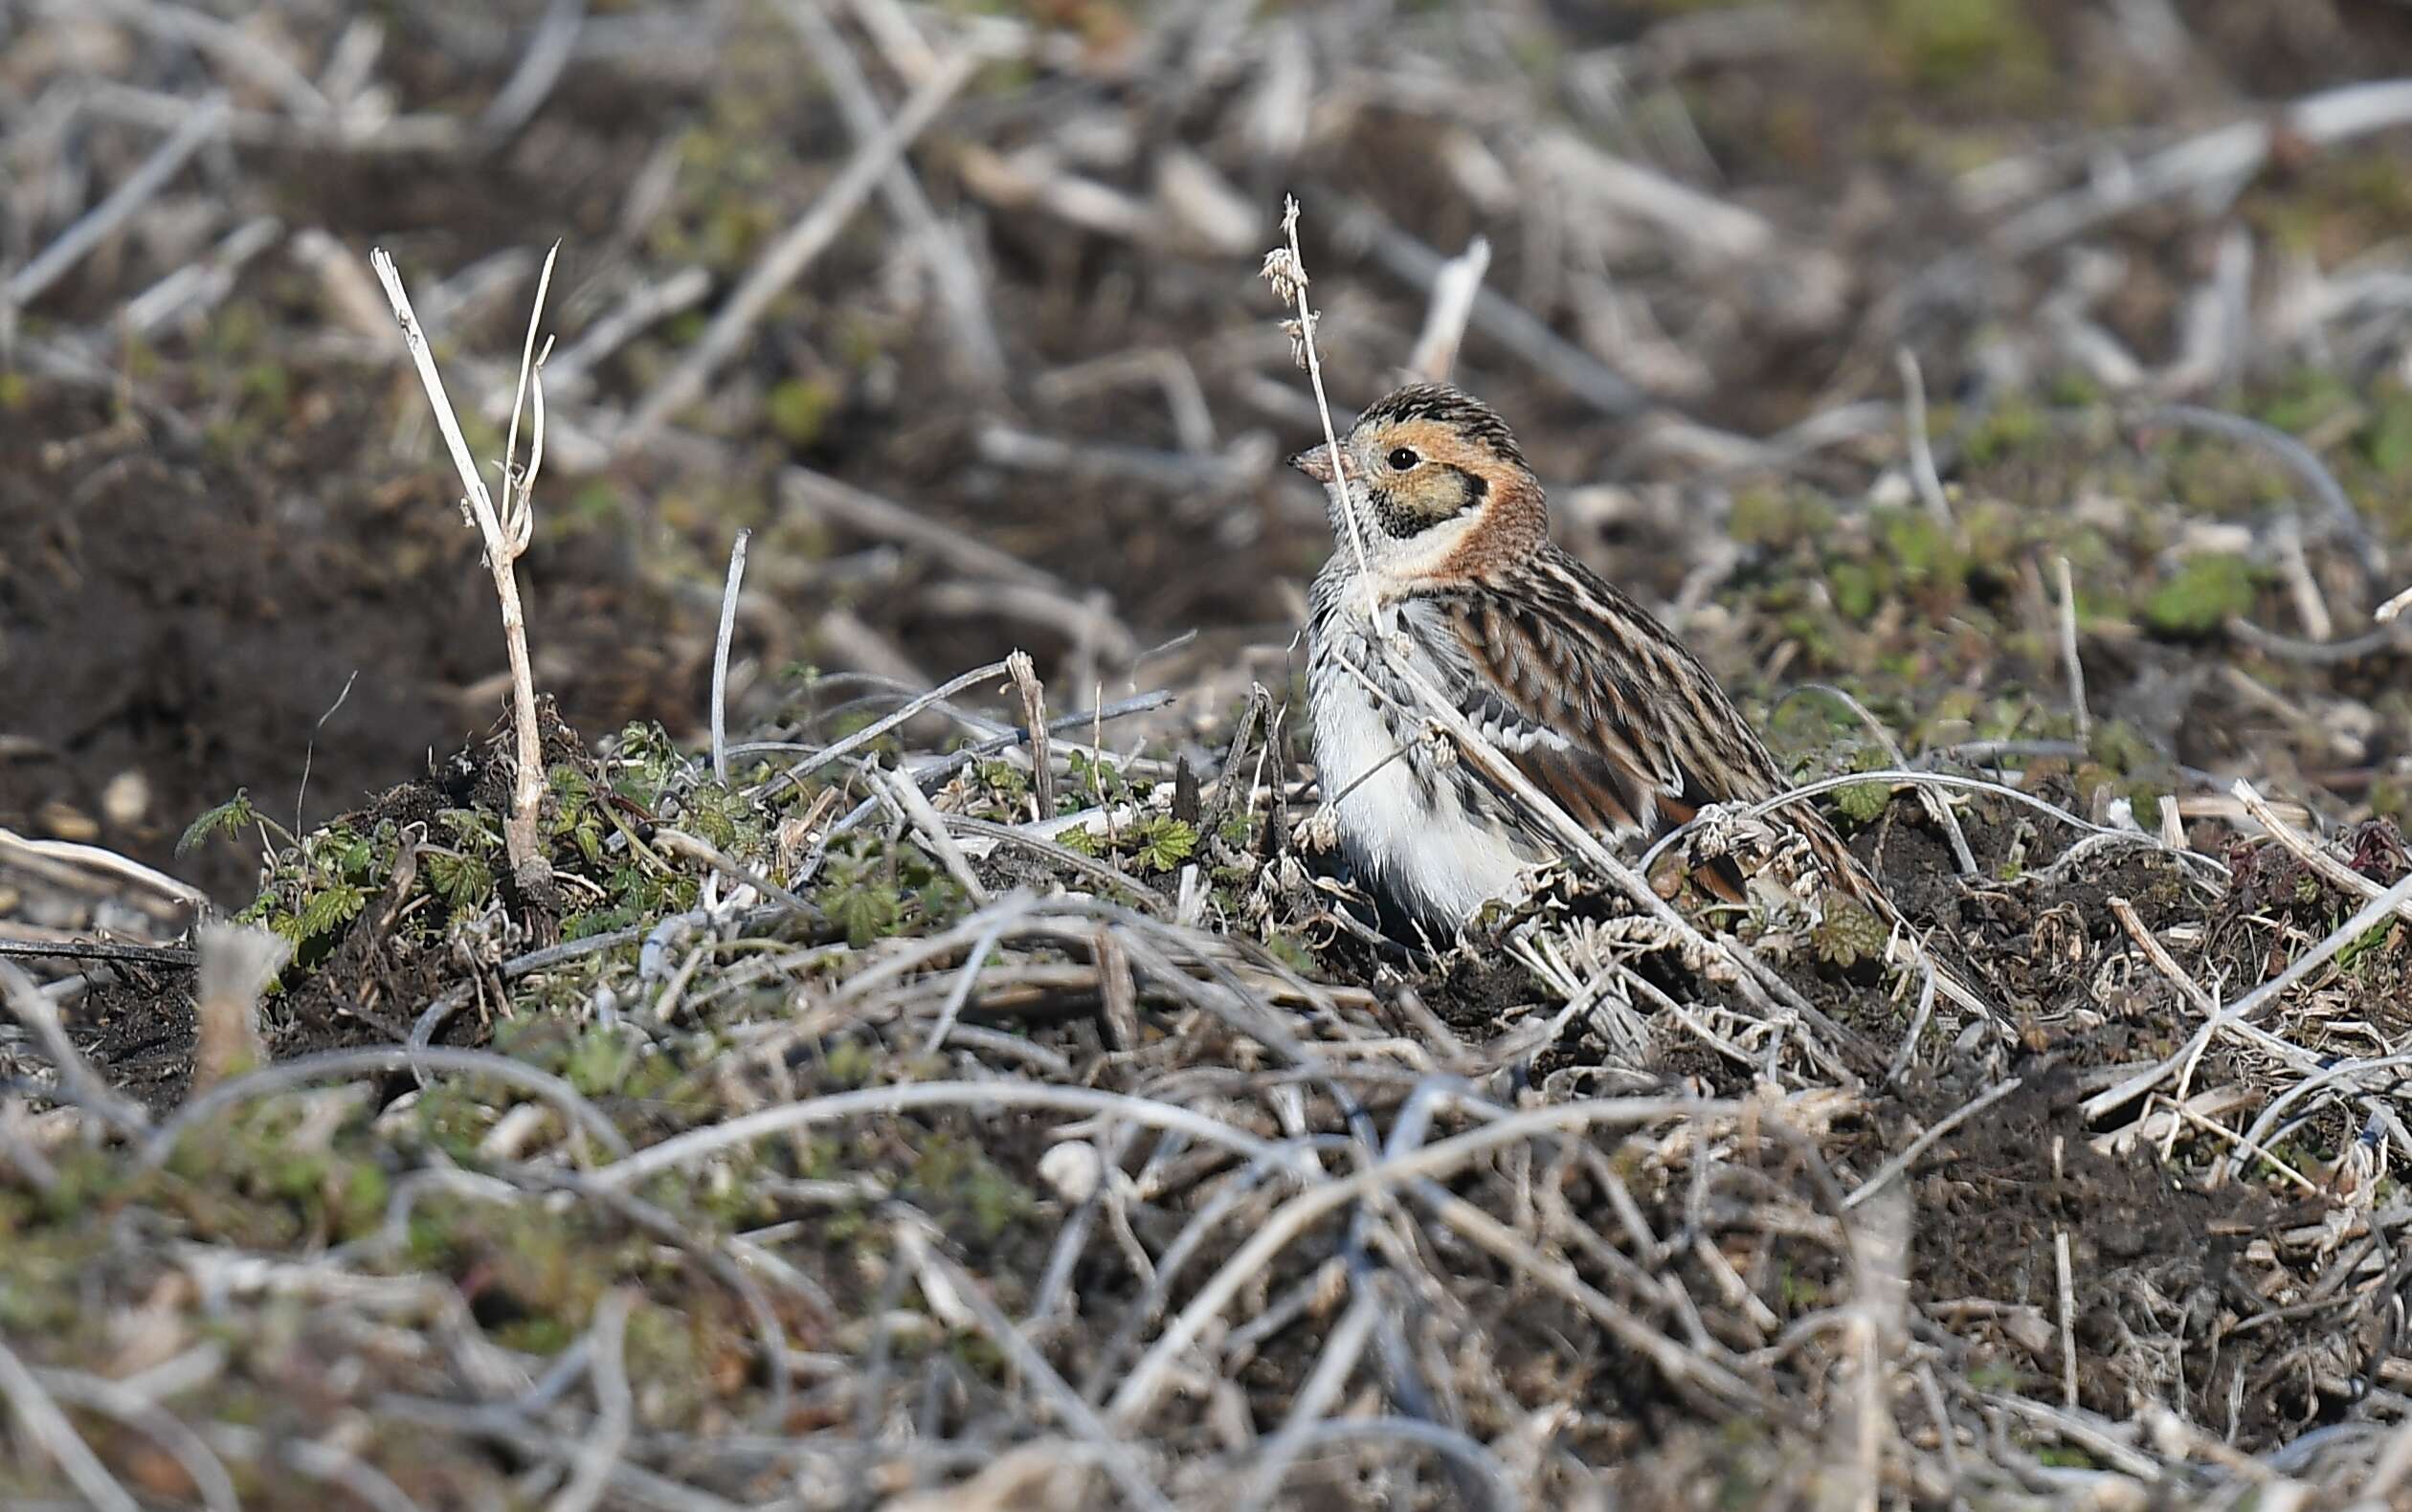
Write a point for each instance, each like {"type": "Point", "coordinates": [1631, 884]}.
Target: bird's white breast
{"type": "Point", "coordinates": [1417, 839]}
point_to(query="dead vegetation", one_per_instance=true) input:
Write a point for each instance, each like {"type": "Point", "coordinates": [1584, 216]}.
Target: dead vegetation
{"type": "Point", "coordinates": [982, 1091]}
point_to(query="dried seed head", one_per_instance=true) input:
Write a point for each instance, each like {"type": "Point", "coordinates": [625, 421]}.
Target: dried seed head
{"type": "Point", "coordinates": [1713, 833]}
{"type": "Point", "coordinates": [1286, 273]}
{"type": "Point", "coordinates": [1300, 334]}
{"type": "Point", "coordinates": [1320, 831]}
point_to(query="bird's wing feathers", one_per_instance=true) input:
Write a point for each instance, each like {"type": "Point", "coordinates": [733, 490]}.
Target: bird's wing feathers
{"type": "Point", "coordinates": [1603, 709]}
{"type": "Point", "coordinates": [1599, 705]}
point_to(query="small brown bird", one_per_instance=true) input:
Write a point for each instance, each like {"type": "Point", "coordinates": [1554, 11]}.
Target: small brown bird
{"type": "Point", "coordinates": [1592, 699]}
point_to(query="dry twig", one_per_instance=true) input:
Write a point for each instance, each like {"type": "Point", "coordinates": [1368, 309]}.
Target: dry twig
{"type": "Point", "coordinates": [720, 657]}
{"type": "Point", "coordinates": [506, 532]}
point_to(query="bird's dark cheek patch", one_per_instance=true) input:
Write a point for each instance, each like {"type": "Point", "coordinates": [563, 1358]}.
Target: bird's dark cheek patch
{"type": "Point", "coordinates": [1396, 519]}
{"type": "Point", "coordinates": [1432, 498]}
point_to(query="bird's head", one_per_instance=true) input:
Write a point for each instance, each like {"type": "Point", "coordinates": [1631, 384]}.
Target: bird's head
{"type": "Point", "coordinates": [1438, 486]}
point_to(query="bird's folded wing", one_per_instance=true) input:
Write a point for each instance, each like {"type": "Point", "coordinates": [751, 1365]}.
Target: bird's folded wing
{"type": "Point", "coordinates": [1597, 726]}
{"type": "Point", "coordinates": [1607, 713]}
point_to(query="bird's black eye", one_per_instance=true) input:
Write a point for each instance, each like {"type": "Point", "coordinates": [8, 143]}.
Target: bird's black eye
{"type": "Point", "coordinates": [1403, 457]}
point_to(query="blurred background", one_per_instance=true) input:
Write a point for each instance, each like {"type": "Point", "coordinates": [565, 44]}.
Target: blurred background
{"type": "Point", "coordinates": [955, 305]}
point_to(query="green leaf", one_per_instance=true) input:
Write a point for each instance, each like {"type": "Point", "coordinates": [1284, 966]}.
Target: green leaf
{"type": "Point", "coordinates": [864, 910]}
{"type": "Point", "coordinates": [1004, 779]}
{"type": "Point", "coordinates": [1855, 590]}
{"type": "Point", "coordinates": [569, 786]}
{"type": "Point", "coordinates": [588, 835]}
{"type": "Point", "coordinates": [1862, 801]}
{"type": "Point", "coordinates": [462, 882]}
{"type": "Point", "coordinates": [1848, 933]}
{"type": "Point", "coordinates": [1163, 844]}
{"type": "Point", "coordinates": [333, 906]}
{"type": "Point", "coordinates": [355, 856]}
{"type": "Point", "coordinates": [635, 887]}
{"type": "Point", "coordinates": [469, 829]}
{"type": "Point", "coordinates": [1919, 546]}
{"type": "Point", "coordinates": [2203, 594]}
{"type": "Point", "coordinates": [580, 924]}
{"type": "Point", "coordinates": [2371, 940]}
{"type": "Point", "coordinates": [709, 815]}
{"type": "Point", "coordinates": [230, 817]}
{"type": "Point", "coordinates": [599, 1061]}
{"type": "Point", "coordinates": [1092, 776]}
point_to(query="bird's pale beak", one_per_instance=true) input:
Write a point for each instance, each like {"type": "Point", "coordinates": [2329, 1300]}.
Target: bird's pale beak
{"type": "Point", "coordinates": [1315, 462]}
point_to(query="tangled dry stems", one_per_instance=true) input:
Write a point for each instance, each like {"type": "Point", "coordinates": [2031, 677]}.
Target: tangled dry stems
{"type": "Point", "coordinates": [1224, 1225]}
{"type": "Point", "coordinates": [1271, 1190]}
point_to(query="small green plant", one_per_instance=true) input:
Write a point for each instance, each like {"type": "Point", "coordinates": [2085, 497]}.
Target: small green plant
{"type": "Point", "coordinates": [712, 812]}
{"type": "Point", "coordinates": [1092, 780]}
{"type": "Point", "coordinates": [233, 817]}
{"type": "Point", "coordinates": [2365, 947]}
{"type": "Point", "coordinates": [1848, 934]}
{"type": "Point", "coordinates": [1290, 952]}
{"type": "Point", "coordinates": [1857, 589]}
{"type": "Point", "coordinates": [574, 817]}
{"type": "Point", "coordinates": [1801, 1293]}
{"type": "Point", "coordinates": [599, 1060]}
{"type": "Point", "coordinates": [871, 890]}
{"type": "Point", "coordinates": [462, 882]}
{"type": "Point", "coordinates": [1862, 802]}
{"type": "Point", "coordinates": [2011, 427]}
{"type": "Point", "coordinates": [335, 905]}
{"type": "Point", "coordinates": [1004, 781]}
{"type": "Point", "coordinates": [314, 888]}
{"type": "Point", "coordinates": [1922, 551]}
{"type": "Point", "coordinates": [1161, 844]}
{"type": "Point", "coordinates": [2206, 593]}
{"type": "Point", "coordinates": [862, 906]}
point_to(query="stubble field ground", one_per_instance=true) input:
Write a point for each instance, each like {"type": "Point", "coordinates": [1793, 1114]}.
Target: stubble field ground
{"type": "Point", "coordinates": [2018, 396]}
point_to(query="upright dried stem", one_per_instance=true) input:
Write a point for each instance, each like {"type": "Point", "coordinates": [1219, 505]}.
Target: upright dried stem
{"type": "Point", "coordinates": [1922, 472]}
{"type": "Point", "coordinates": [1286, 270]}
{"type": "Point", "coordinates": [720, 657]}
{"type": "Point", "coordinates": [507, 533]}
{"type": "Point", "coordinates": [1452, 306]}
{"type": "Point", "coordinates": [2076, 668]}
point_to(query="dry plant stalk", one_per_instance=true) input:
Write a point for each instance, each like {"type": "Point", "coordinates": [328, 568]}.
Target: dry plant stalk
{"type": "Point", "coordinates": [1285, 269]}
{"type": "Point", "coordinates": [1034, 696]}
{"type": "Point", "coordinates": [2312, 855]}
{"type": "Point", "coordinates": [1452, 306]}
{"type": "Point", "coordinates": [237, 963]}
{"type": "Point", "coordinates": [507, 532]}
